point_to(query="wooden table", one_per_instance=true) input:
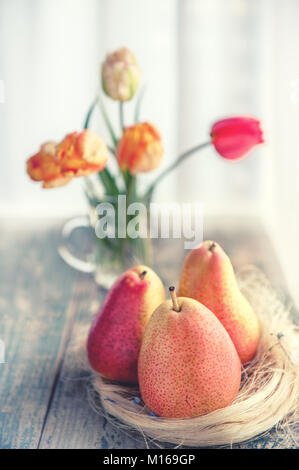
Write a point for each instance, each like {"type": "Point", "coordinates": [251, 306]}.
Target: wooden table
{"type": "Point", "coordinates": [44, 303]}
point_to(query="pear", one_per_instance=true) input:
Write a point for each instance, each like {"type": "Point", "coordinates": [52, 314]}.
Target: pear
{"type": "Point", "coordinates": [208, 277]}
{"type": "Point", "coordinates": [115, 335]}
{"type": "Point", "coordinates": [188, 365]}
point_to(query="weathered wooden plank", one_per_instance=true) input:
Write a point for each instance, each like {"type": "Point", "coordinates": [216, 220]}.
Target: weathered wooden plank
{"type": "Point", "coordinates": [35, 288]}
{"type": "Point", "coordinates": [72, 423]}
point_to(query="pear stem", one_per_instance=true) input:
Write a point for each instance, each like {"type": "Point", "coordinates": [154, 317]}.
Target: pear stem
{"type": "Point", "coordinates": [174, 299]}
{"type": "Point", "coordinates": [212, 246]}
{"type": "Point", "coordinates": [142, 275]}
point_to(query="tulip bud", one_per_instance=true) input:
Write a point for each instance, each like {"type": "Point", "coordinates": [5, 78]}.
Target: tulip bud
{"type": "Point", "coordinates": [120, 75]}
{"type": "Point", "coordinates": [139, 149]}
{"type": "Point", "coordinates": [234, 138]}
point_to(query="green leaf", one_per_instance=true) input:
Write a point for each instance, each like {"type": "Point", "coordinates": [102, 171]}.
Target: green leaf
{"type": "Point", "coordinates": [108, 182]}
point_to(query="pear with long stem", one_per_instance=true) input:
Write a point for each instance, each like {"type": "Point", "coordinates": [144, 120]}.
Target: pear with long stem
{"type": "Point", "coordinates": [188, 365]}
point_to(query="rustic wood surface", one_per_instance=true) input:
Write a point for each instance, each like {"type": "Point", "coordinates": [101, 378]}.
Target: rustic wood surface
{"type": "Point", "coordinates": [44, 304]}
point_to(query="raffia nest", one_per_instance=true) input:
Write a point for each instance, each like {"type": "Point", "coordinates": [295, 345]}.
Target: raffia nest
{"type": "Point", "coordinates": [268, 393]}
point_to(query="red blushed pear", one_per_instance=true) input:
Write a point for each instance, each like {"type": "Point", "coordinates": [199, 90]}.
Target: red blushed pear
{"type": "Point", "coordinates": [188, 365]}
{"type": "Point", "coordinates": [208, 277]}
{"type": "Point", "coordinates": [115, 336]}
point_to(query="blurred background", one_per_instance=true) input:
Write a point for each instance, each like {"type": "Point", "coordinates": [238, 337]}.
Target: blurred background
{"type": "Point", "coordinates": [201, 61]}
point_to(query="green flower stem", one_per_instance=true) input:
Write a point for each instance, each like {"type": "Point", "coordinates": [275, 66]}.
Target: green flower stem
{"type": "Point", "coordinates": [108, 182]}
{"type": "Point", "coordinates": [132, 188]}
{"type": "Point", "coordinates": [177, 162]}
{"type": "Point", "coordinates": [111, 150]}
{"type": "Point", "coordinates": [107, 122]}
{"type": "Point", "coordinates": [89, 114]}
{"type": "Point", "coordinates": [126, 174]}
{"type": "Point", "coordinates": [121, 116]}
{"type": "Point", "coordinates": [104, 175]}
{"type": "Point", "coordinates": [127, 179]}
{"type": "Point", "coordinates": [119, 248]}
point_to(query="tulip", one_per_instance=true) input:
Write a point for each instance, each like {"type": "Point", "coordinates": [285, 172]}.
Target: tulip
{"type": "Point", "coordinates": [82, 153]}
{"type": "Point", "coordinates": [120, 75]}
{"type": "Point", "coordinates": [140, 149]}
{"type": "Point", "coordinates": [79, 154]}
{"type": "Point", "coordinates": [44, 166]}
{"type": "Point", "coordinates": [233, 138]}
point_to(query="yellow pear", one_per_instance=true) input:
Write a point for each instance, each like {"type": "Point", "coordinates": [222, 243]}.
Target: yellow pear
{"type": "Point", "coordinates": [208, 277]}
{"type": "Point", "coordinates": [188, 365]}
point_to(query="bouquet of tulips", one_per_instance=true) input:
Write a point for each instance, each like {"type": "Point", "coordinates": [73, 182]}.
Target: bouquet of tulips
{"type": "Point", "coordinates": [137, 150]}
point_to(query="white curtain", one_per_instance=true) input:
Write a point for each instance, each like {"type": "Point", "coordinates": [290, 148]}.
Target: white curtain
{"type": "Point", "coordinates": [201, 60]}
{"type": "Point", "coordinates": [280, 101]}
{"type": "Point", "coordinates": [219, 76]}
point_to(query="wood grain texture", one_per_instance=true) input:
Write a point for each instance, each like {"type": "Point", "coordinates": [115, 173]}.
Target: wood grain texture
{"type": "Point", "coordinates": [72, 423]}
{"type": "Point", "coordinates": [35, 289]}
{"type": "Point", "coordinates": [44, 305]}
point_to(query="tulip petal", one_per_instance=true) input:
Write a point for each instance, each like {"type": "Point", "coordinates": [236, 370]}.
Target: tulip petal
{"type": "Point", "coordinates": [140, 149]}
{"type": "Point", "coordinates": [79, 154]}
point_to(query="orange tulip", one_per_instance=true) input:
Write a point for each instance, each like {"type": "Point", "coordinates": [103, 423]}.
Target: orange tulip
{"type": "Point", "coordinates": [82, 153]}
{"type": "Point", "coordinates": [44, 166]}
{"type": "Point", "coordinates": [140, 149]}
{"type": "Point", "coordinates": [79, 154]}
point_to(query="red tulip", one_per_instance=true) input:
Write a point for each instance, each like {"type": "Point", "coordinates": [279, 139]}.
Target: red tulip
{"type": "Point", "coordinates": [233, 138]}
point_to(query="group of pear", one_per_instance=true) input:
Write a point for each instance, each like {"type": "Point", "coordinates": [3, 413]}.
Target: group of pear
{"type": "Point", "coordinates": [185, 353]}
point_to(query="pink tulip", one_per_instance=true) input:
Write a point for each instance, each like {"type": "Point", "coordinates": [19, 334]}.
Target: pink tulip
{"type": "Point", "coordinates": [233, 138]}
